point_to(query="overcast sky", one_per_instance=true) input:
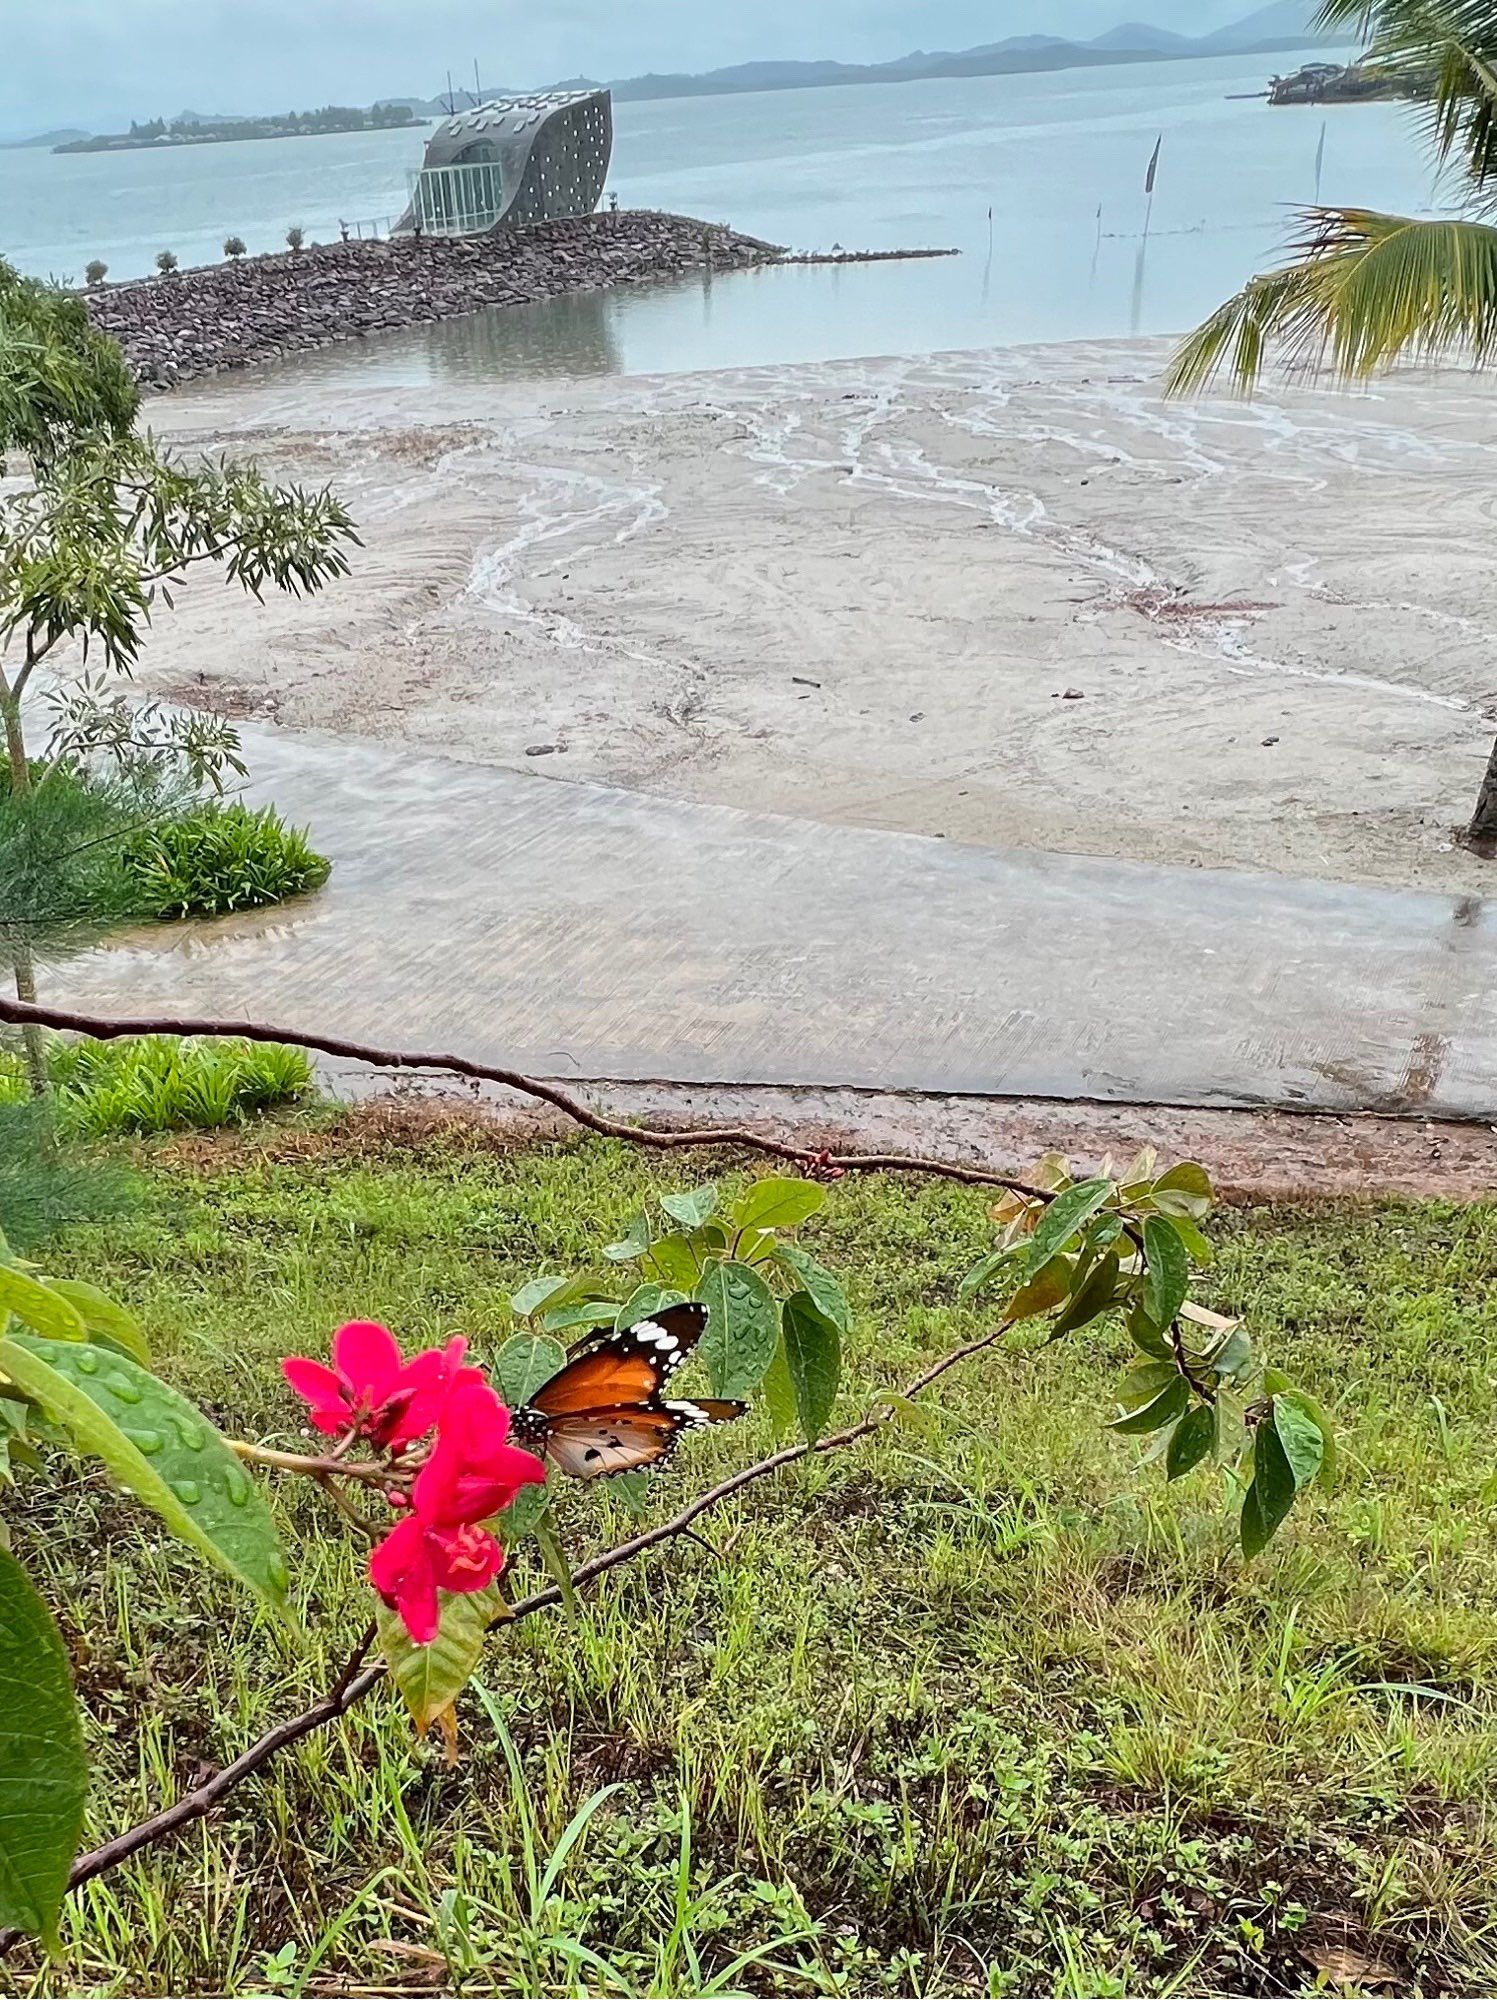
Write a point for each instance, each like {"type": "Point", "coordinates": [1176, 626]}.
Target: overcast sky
{"type": "Point", "coordinates": [90, 62]}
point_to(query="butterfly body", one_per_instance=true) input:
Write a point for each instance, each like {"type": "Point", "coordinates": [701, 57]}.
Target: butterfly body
{"type": "Point", "coordinates": [607, 1412]}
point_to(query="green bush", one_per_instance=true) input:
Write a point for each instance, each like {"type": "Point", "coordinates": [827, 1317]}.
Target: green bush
{"type": "Point", "coordinates": [161, 1083]}
{"type": "Point", "coordinates": [221, 858]}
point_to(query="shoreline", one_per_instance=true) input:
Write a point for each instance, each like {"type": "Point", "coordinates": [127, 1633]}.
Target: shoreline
{"type": "Point", "coordinates": [1005, 598]}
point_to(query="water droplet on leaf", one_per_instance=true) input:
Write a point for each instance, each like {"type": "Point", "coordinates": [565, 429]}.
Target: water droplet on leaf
{"type": "Point", "coordinates": [187, 1491]}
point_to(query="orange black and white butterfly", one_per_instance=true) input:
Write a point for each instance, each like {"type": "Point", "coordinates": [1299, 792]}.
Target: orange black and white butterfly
{"type": "Point", "coordinates": [606, 1411]}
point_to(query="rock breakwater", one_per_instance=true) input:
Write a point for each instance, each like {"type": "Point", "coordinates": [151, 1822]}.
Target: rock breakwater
{"type": "Point", "coordinates": [232, 315]}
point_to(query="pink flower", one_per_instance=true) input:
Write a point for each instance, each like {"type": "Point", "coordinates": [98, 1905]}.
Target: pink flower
{"type": "Point", "coordinates": [370, 1390]}
{"type": "Point", "coordinates": [416, 1560]}
{"type": "Point", "coordinates": [474, 1472]}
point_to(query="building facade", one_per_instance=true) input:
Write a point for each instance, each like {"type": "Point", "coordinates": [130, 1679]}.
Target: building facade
{"type": "Point", "coordinates": [513, 163]}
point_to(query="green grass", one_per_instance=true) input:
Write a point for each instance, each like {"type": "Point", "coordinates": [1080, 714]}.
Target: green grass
{"type": "Point", "coordinates": [161, 1083]}
{"type": "Point", "coordinates": [221, 858]}
{"type": "Point", "coordinates": [987, 1713]}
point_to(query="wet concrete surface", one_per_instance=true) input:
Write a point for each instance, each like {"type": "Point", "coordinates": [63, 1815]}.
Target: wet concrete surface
{"type": "Point", "coordinates": [572, 930]}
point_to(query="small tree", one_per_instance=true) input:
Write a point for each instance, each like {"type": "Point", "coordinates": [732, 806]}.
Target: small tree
{"type": "Point", "coordinates": [166, 263]}
{"type": "Point", "coordinates": [110, 526]}
{"type": "Point", "coordinates": [96, 271]}
{"type": "Point", "coordinates": [296, 237]}
{"type": "Point", "coordinates": [234, 246]}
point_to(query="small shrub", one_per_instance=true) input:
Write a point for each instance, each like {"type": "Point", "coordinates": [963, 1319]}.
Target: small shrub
{"type": "Point", "coordinates": [166, 262]}
{"type": "Point", "coordinates": [296, 236]}
{"type": "Point", "coordinates": [223, 858]}
{"type": "Point", "coordinates": [234, 246]}
{"type": "Point", "coordinates": [161, 1083]}
{"type": "Point", "coordinates": [95, 271]}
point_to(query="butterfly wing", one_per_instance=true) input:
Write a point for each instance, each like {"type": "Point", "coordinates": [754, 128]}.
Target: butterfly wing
{"type": "Point", "coordinates": [619, 1369]}
{"type": "Point", "coordinates": [598, 1444]}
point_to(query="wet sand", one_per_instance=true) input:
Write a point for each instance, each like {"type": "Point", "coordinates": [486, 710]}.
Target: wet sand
{"type": "Point", "coordinates": [1010, 599]}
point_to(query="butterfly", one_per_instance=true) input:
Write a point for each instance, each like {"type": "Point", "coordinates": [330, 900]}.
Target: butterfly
{"type": "Point", "coordinates": [606, 1411]}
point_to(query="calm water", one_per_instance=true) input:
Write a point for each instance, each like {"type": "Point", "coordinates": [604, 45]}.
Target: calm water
{"type": "Point", "coordinates": [869, 167]}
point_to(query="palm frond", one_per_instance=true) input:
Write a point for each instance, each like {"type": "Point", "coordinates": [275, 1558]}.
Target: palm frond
{"type": "Point", "coordinates": [1365, 290]}
{"type": "Point", "coordinates": [1452, 46]}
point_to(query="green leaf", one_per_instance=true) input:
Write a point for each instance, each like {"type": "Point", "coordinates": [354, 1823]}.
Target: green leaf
{"type": "Point", "coordinates": [691, 1210]}
{"type": "Point", "coordinates": [1197, 1246]}
{"type": "Point", "coordinates": [553, 1555]}
{"type": "Point", "coordinates": [1271, 1495]}
{"type": "Point", "coordinates": [530, 1298]}
{"type": "Point", "coordinates": [1097, 1295]}
{"type": "Point", "coordinates": [1283, 1391]}
{"type": "Point", "coordinates": [777, 1203]}
{"type": "Point", "coordinates": [1193, 1439]}
{"type": "Point", "coordinates": [1065, 1218]}
{"type": "Point", "coordinates": [743, 1328]}
{"type": "Point", "coordinates": [520, 1516]}
{"type": "Point", "coordinates": [1147, 1338]}
{"type": "Point", "coordinates": [1185, 1190]}
{"type": "Point", "coordinates": [633, 1243]}
{"type": "Point", "coordinates": [779, 1396]}
{"type": "Point", "coordinates": [161, 1450]}
{"type": "Point", "coordinates": [1164, 1409]}
{"type": "Point", "coordinates": [813, 1352]}
{"type": "Point", "coordinates": [633, 1488]}
{"type": "Point", "coordinates": [987, 1268]}
{"type": "Point", "coordinates": [430, 1678]}
{"type": "Point", "coordinates": [44, 1775]}
{"type": "Point", "coordinates": [1047, 1289]}
{"type": "Point", "coordinates": [644, 1301]}
{"type": "Point", "coordinates": [587, 1312]}
{"type": "Point", "coordinates": [1300, 1436]}
{"type": "Point", "coordinates": [673, 1261]}
{"type": "Point", "coordinates": [38, 1306]}
{"type": "Point", "coordinates": [1143, 1383]}
{"type": "Point", "coordinates": [103, 1317]}
{"type": "Point", "coordinates": [824, 1287]}
{"type": "Point", "coordinates": [525, 1363]}
{"type": "Point", "coordinates": [1167, 1280]}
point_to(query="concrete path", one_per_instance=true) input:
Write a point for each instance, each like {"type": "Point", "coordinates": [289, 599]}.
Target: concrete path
{"type": "Point", "coordinates": [573, 930]}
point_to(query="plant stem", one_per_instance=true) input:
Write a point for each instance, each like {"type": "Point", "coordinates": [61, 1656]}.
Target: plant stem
{"type": "Point", "coordinates": [32, 1034]}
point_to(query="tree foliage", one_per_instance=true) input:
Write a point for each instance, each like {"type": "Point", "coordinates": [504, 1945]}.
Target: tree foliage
{"type": "Point", "coordinates": [1363, 289]}
{"type": "Point", "coordinates": [60, 378]}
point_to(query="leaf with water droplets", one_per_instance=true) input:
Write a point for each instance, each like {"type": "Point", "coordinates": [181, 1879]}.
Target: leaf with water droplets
{"type": "Point", "coordinates": [160, 1449]}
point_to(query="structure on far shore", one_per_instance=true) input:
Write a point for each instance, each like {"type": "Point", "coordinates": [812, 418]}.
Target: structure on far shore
{"type": "Point", "coordinates": [1358, 83]}
{"type": "Point", "coordinates": [511, 164]}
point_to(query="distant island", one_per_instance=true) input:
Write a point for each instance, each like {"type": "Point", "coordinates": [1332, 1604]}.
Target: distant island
{"type": "Point", "coordinates": [194, 131]}
{"type": "Point", "coordinates": [1282, 24]}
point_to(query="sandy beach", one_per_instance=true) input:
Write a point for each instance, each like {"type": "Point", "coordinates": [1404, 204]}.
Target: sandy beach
{"type": "Point", "coordinates": [1009, 598]}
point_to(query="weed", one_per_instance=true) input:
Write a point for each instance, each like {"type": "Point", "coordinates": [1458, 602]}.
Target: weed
{"type": "Point", "coordinates": [221, 858]}
{"type": "Point", "coordinates": [161, 1083]}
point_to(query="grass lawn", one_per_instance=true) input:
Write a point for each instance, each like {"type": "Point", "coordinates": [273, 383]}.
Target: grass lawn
{"type": "Point", "coordinates": [985, 1712]}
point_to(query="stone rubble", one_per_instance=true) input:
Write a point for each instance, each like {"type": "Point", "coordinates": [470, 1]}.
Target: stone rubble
{"type": "Point", "coordinates": [232, 315]}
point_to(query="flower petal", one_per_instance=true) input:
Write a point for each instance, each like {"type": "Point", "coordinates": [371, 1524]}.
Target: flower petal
{"type": "Point", "coordinates": [403, 1569]}
{"type": "Point", "coordinates": [367, 1357]}
{"type": "Point", "coordinates": [320, 1389]}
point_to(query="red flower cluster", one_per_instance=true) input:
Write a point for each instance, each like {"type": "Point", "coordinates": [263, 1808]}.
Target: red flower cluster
{"type": "Point", "coordinates": [471, 1473]}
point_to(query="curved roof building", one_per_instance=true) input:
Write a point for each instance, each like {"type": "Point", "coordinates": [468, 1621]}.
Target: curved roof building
{"type": "Point", "coordinates": [515, 162]}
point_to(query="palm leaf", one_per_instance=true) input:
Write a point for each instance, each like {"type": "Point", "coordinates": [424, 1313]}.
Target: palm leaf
{"type": "Point", "coordinates": [1450, 45]}
{"type": "Point", "coordinates": [1364, 290]}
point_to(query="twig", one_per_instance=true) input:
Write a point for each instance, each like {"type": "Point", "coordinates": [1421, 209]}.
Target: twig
{"type": "Point", "coordinates": [329, 1466]}
{"type": "Point", "coordinates": [356, 1680]}
{"type": "Point", "coordinates": [21, 1013]}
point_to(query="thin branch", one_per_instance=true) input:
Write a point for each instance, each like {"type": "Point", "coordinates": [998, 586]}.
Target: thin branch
{"type": "Point", "coordinates": [356, 1680]}
{"type": "Point", "coordinates": [19, 1013]}
{"type": "Point", "coordinates": [324, 1466]}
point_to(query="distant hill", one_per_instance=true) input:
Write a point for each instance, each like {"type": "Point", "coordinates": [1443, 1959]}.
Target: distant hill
{"type": "Point", "coordinates": [1282, 24]}
{"type": "Point", "coordinates": [62, 137]}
